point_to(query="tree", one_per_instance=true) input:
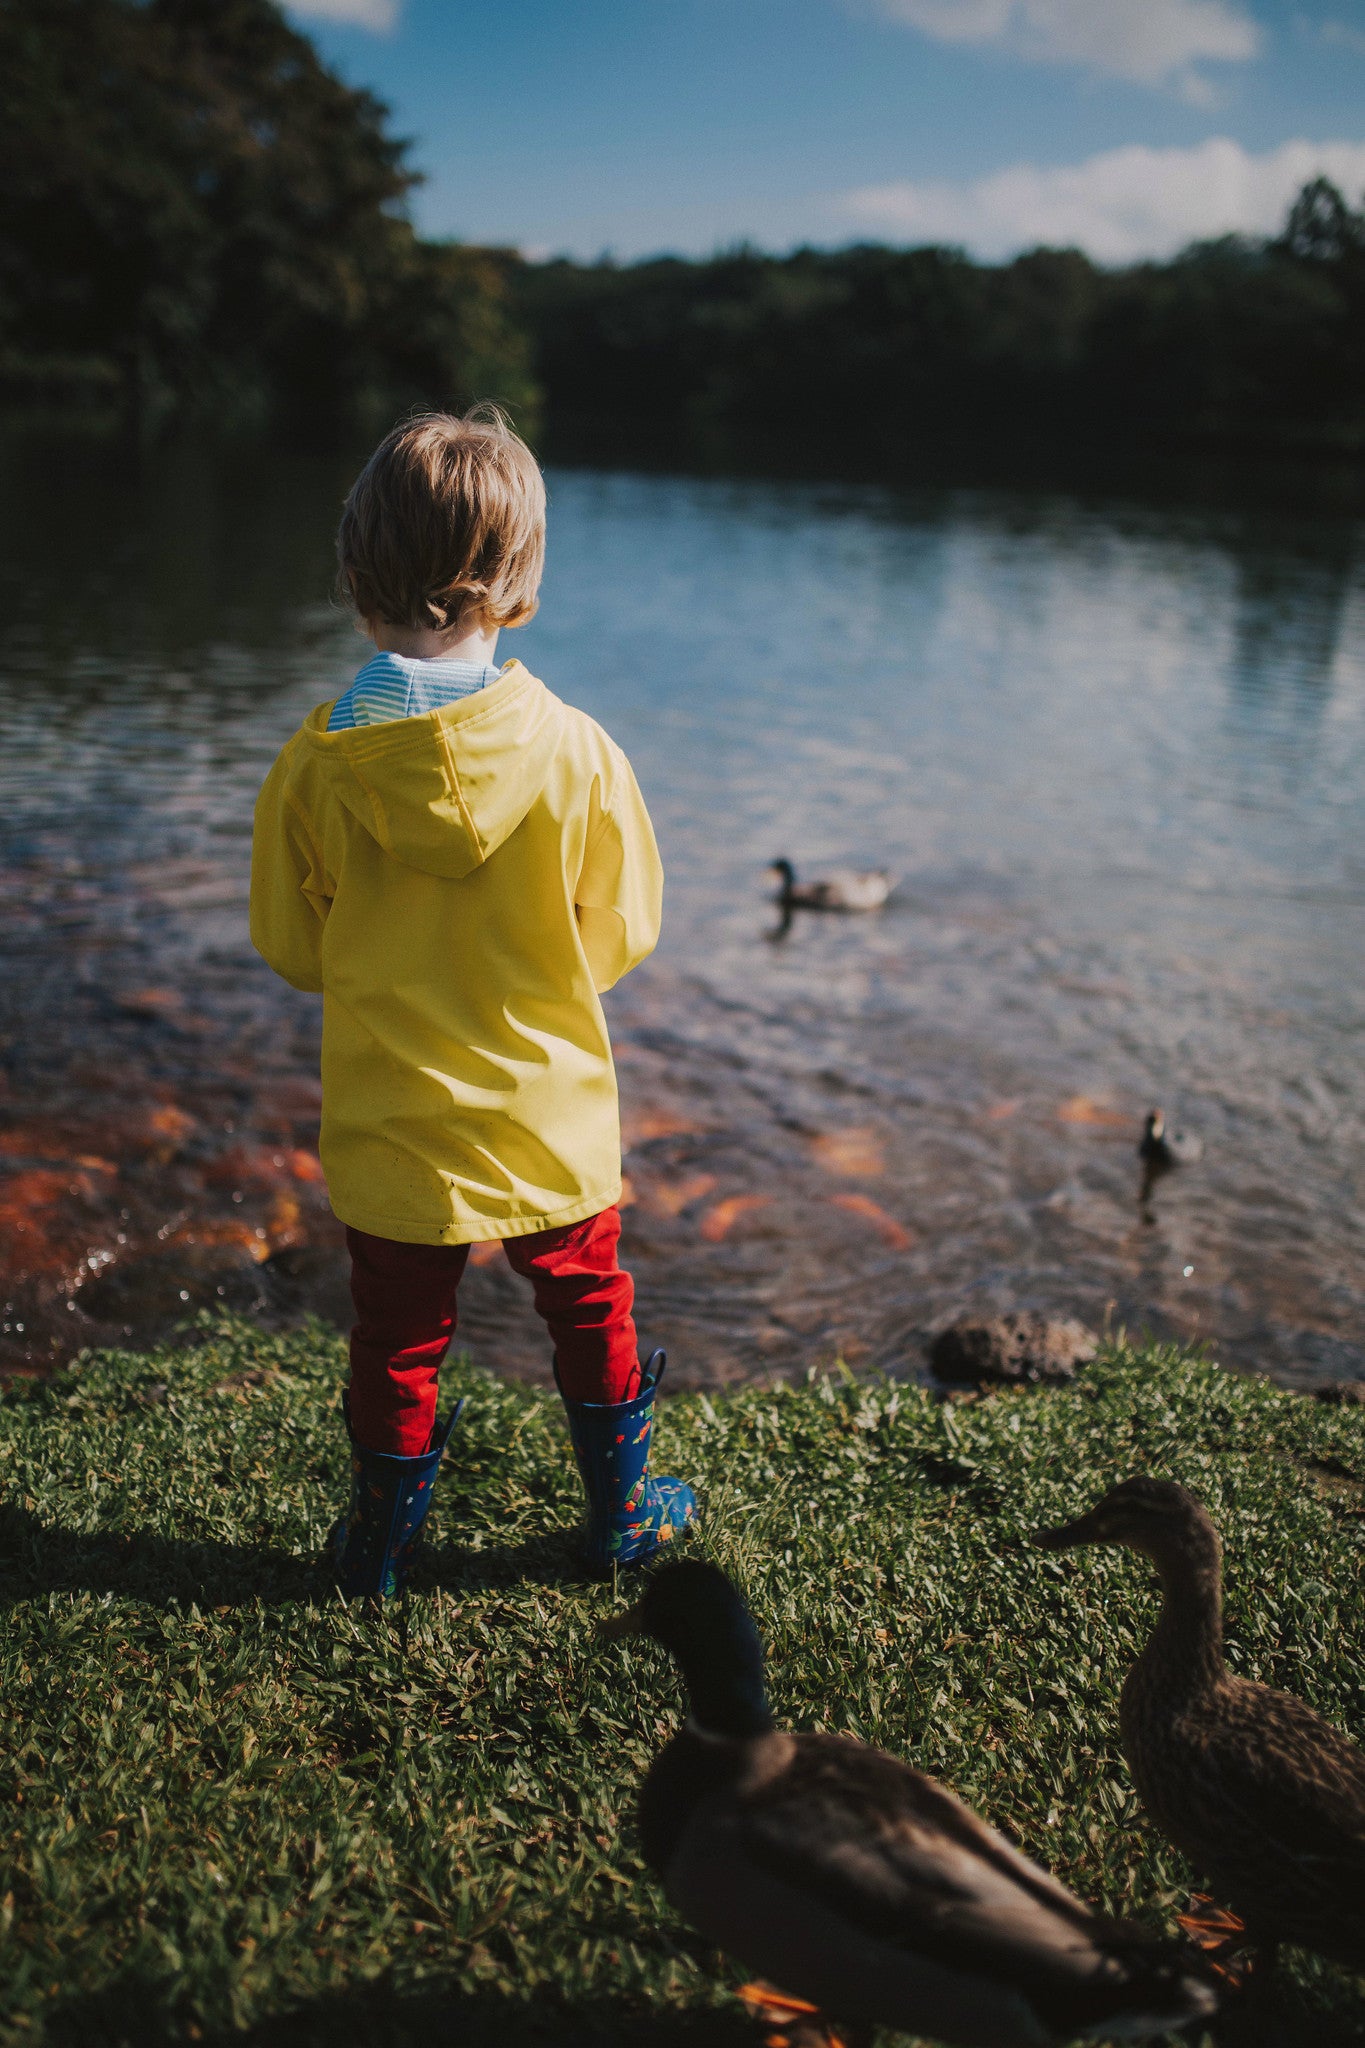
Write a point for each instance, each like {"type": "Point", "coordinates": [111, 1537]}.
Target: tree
{"type": "Point", "coordinates": [191, 202]}
{"type": "Point", "coordinates": [1321, 228]}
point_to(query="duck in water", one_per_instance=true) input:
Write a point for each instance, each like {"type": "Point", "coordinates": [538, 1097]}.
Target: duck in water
{"type": "Point", "coordinates": [1263, 1795]}
{"type": "Point", "coordinates": [841, 889]}
{"type": "Point", "coordinates": [858, 1884]}
{"type": "Point", "coordinates": [1160, 1148]}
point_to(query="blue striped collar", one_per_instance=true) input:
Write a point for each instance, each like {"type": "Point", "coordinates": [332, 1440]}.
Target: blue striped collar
{"type": "Point", "coordinates": [397, 686]}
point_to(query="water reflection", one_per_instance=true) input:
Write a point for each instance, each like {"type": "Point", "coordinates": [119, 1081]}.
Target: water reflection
{"type": "Point", "coordinates": [1290, 613]}
{"type": "Point", "coordinates": [1115, 755]}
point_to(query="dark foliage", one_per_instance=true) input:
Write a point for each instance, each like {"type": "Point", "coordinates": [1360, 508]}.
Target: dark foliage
{"type": "Point", "coordinates": [1235, 343]}
{"type": "Point", "coordinates": [193, 207]}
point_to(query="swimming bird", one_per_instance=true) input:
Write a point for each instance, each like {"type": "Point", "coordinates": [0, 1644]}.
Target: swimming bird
{"type": "Point", "coordinates": [1264, 1796]}
{"type": "Point", "coordinates": [840, 889]}
{"type": "Point", "coordinates": [1160, 1147]}
{"type": "Point", "coordinates": [853, 1881]}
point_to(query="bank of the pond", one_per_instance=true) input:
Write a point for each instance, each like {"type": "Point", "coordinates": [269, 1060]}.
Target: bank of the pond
{"type": "Point", "coordinates": [233, 1810]}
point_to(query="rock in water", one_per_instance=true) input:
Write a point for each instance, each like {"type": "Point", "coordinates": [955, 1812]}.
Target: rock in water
{"type": "Point", "coordinates": [1342, 1393]}
{"type": "Point", "coordinates": [1012, 1350]}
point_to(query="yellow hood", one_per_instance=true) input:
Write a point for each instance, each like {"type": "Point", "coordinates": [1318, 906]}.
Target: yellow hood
{"type": "Point", "coordinates": [441, 792]}
{"type": "Point", "coordinates": [461, 886]}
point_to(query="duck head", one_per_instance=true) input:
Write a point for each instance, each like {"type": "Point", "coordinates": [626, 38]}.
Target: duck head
{"type": "Point", "coordinates": [785, 872]}
{"type": "Point", "coordinates": [692, 1609]}
{"type": "Point", "coordinates": [1154, 1516]}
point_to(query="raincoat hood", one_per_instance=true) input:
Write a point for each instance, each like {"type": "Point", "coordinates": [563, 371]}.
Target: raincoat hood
{"type": "Point", "coordinates": [441, 792]}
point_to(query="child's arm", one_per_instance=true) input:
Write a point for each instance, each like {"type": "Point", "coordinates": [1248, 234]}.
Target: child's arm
{"type": "Point", "coordinates": [290, 891]}
{"type": "Point", "coordinates": [619, 898]}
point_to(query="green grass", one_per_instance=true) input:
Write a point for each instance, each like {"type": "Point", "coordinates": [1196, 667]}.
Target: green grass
{"type": "Point", "coordinates": [233, 1809]}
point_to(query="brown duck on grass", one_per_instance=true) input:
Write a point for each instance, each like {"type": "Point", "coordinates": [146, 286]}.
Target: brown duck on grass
{"type": "Point", "coordinates": [1265, 1797]}
{"type": "Point", "coordinates": [857, 1883]}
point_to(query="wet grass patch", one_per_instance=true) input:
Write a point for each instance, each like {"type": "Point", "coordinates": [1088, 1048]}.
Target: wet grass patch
{"type": "Point", "coordinates": [234, 1810]}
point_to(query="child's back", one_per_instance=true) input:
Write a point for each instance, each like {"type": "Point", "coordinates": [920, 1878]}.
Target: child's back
{"type": "Point", "coordinates": [460, 886]}
{"type": "Point", "coordinates": [460, 881]}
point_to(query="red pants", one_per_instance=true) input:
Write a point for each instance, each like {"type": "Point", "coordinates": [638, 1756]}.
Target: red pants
{"type": "Point", "coordinates": [404, 1298]}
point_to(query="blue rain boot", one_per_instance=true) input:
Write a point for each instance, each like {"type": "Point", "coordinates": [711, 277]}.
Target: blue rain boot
{"type": "Point", "coordinates": [374, 1543]}
{"type": "Point", "coordinates": [630, 1515]}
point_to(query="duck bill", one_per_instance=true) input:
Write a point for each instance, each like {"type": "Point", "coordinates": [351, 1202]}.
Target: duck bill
{"type": "Point", "coordinates": [618, 1626]}
{"type": "Point", "coordinates": [1068, 1535]}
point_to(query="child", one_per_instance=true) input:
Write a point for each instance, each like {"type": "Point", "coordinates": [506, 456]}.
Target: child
{"type": "Point", "coordinates": [461, 863]}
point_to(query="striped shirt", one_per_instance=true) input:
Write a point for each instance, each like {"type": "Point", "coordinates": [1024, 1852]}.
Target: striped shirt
{"type": "Point", "coordinates": [395, 686]}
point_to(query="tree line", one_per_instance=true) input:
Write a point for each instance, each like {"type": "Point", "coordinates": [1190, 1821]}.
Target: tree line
{"type": "Point", "coordinates": [1235, 344]}
{"type": "Point", "coordinates": [197, 215]}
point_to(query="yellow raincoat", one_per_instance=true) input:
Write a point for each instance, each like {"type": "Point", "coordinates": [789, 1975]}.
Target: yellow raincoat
{"type": "Point", "coordinates": [460, 886]}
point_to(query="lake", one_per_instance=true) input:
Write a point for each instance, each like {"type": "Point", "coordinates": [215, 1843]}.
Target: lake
{"type": "Point", "coordinates": [1114, 754]}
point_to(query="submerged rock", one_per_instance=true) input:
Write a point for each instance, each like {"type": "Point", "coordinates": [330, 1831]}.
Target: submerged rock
{"type": "Point", "coordinates": [1012, 1350]}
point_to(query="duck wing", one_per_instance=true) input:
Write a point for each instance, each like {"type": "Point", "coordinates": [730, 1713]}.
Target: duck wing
{"type": "Point", "coordinates": [855, 1880]}
{"type": "Point", "coordinates": [850, 889]}
{"type": "Point", "coordinates": [876, 1836]}
{"type": "Point", "coordinates": [1269, 1799]}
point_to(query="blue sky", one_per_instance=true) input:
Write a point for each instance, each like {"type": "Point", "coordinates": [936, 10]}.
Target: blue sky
{"type": "Point", "coordinates": [1127, 127]}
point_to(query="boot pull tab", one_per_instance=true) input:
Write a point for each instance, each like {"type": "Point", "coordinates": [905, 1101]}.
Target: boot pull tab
{"type": "Point", "coordinates": [441, 1434]}
{"type": "Point", "coordinates": [652, 1371]}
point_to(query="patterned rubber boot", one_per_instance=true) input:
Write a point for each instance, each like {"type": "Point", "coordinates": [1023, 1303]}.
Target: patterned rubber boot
{"type": "Point", "coordinates": [630, 1515]}
{"type": "Point", "coordinates": [374, 1543]}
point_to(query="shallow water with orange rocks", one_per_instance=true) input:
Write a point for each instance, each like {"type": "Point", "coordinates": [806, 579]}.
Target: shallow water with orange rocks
{"type": "Point", "coordinates": [1115, 755]}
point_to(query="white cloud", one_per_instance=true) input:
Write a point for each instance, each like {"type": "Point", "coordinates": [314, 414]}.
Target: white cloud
{"type": "Point", "coordinates": [1119, 206]}
{"type": "Point", "coordinates": [1154, 42]}
{"type": "Point", "coordinates": [379, 16]}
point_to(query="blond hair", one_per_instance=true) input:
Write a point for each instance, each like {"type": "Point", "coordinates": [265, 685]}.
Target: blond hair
{"type": "Point", "coordinates": [447, 516]}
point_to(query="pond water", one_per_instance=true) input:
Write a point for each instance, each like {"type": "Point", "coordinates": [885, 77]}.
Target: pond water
{"type": "Point", "coordinates": [1114, 755]}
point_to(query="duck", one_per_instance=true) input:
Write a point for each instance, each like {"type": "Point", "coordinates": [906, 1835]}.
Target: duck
{"type": "Point", "coordinates": [1160, 1147]}
{"type": "Point", "coordinates": [856, 1883]}
{"type": "Point", "coordinates": [1265, 1797]}
{"type": "Point", "coordinates": [840, 889]}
